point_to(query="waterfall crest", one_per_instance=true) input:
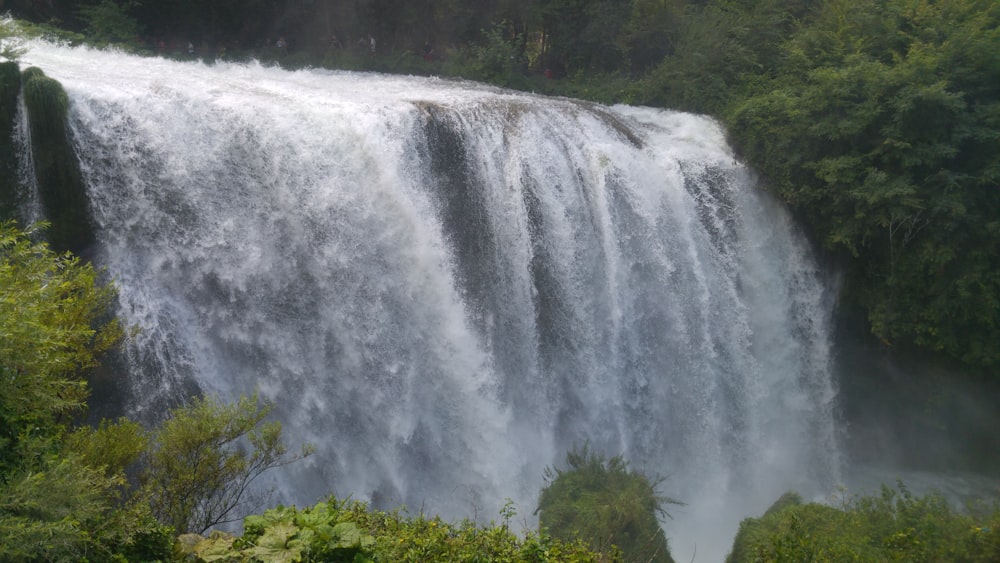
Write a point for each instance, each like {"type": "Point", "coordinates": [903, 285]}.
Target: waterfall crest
{"type": "Point", "coordinates": [446, 286]}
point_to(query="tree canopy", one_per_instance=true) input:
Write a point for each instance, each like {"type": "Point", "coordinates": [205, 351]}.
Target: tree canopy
{"type": "Point", "coordinates": [881, 127]}
{"type": "Point", "coordinates": [54, 323]}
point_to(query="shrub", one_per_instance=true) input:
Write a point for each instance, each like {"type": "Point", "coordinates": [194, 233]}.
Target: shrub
{"type": "Point", "coordinates": [341, 531]}
{"type": "Point", "coordinates": [195, 476]}
{"type": "Point", "coordinates": [605, 505]}
{"type": "Point", "coordinates": [893, 525]}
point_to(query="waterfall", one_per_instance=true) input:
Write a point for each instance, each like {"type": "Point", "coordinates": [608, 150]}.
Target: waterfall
{"type": "Point", "coordinates": [445, 286]}
{"type": "Point", "coordinates": [29, 206]}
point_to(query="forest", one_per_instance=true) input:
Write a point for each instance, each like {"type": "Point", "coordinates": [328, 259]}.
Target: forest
{"type": "Point", "coordinates": [877, 122]}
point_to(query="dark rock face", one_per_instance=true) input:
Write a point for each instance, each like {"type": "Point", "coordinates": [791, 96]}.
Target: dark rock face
{"type": "Point", "coordinates": [10, 86]}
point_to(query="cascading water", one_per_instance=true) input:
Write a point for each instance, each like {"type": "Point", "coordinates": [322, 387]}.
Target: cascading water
{"type": "Point", "coordinates": [29, 207]}
{"type": "Point", "coordinates": [445, 286]}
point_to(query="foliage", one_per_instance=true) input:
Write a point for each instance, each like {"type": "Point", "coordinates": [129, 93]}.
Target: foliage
{"type": "Point", "coordinates": [65, 510]}
{"type": "Point", "coordinates": [289, 534]}
{"type": "Point", "coordinates": [604, 504]}
{"type": "Point", "coordinates": [196, 473]}
{"type": "Point", "coordinates": [109, 21]}
{"type": "Point", "coordinates": [582, 34]}
{"type": "Point", "coordinates": [720, 47]}
{"type": "Point", "coordinates": [111, 446]}
{"type": "Point", "coordinates": [497, 60]}
{"type": "Point", "coordinates": [893, 525]}
{"type": "Point", "coordinates": [64, 495]}
{"type": "Point", "coordinates": [881, 127]}
{"type": "Point", "coordinates": [340, 531]}
{"type": "Point", "coordinates": [54, 324]}
{"type": "Point", "coordinates": [55, 505]}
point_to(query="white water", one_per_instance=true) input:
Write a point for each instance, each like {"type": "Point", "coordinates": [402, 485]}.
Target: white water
{"type": "Point", "coordinates": [445, 287]}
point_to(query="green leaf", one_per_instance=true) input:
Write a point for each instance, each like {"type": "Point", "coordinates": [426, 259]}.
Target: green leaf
{"type": "Point", "coordinates": [278, 544]}
{"type": "Point", "coordinates": [216, 548]}
{"type": "Point", "coordinates": [348, 535]}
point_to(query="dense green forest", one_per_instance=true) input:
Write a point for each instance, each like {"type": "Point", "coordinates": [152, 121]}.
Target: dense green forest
{"type": "Point", "coordinates": [878, 122]}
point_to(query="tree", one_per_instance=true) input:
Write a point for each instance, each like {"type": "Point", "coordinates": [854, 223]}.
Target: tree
{"type": "Point", "coordinates": [650, 33]}
{"type": "Point", "coordinates": [64, 495]}
{"type": "Point", "coordinates": [718, 48]}
{"type": "Point", "coordinates": [59, 501]}
{"type": "Point", "coordinates": [198, 472]}
{"type": "Point", "coordinates": [109, 21]}
{"type": "Point", "coordinates": [880, 126]}
{"type": "Point", "coordinates": [54, 323]}
{"type": "Point", "coordinates": [606, 505]}
{"type": "Point", "coordinates": [582, 35]}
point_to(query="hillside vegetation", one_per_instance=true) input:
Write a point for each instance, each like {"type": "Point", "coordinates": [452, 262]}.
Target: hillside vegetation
{"type": "Point", "coordinates": [892, 525]}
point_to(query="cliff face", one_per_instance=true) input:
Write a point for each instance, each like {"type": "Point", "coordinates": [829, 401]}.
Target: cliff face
{"type": "Point", "coordinates": [10, 86]}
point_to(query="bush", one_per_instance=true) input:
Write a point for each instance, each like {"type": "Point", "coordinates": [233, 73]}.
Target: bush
{"type": "Point", "coordinates": [893, 525]}
{"type": "Point", "coordinates": [340, 531]}
{"type": "Point", "coordinates": [195, 476]}
{"type": "Point", "coordinates": [605, 505]}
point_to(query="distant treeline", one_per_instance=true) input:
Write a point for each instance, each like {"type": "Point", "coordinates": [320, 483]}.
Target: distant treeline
{"type": "Point", "coordinates": [562, 35]}
{"type": "Point", "coordinates": [877, 122]}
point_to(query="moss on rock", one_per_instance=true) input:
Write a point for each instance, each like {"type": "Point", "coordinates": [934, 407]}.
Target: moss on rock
{"type": "Point", "coordinates": [60, 184]}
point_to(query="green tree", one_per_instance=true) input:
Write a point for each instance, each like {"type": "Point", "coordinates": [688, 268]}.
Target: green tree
{"type": "Point", "coordinates": [64, 495]}
{"type": "Point", "coordinates": [109, 21]}
{"type": "Point", "coordinates": [606, 505]}
{"type": "Point", "coordinates": [56, 502]}
{"type": "Point", "coordinates": [582, 35]}
{"type": "Point", "coordinates": [881, 126]}
{"type": "Point", "coordinates": [650, 33]}
{"type": "Point", "coordinates": [54, 323]}
{"type": "Point", "coordinates": [716, 50]}
{"type": "Point", "coordinates": [497, 60]}
{"type": "Point", "coordinates": [198, 471]}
